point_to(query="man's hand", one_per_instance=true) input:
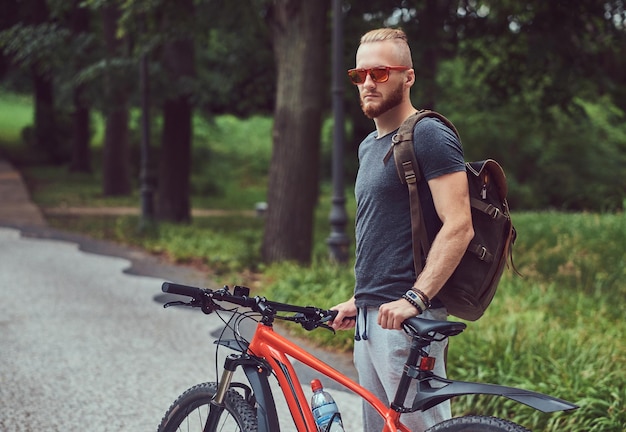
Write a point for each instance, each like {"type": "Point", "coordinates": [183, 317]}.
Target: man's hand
{"type": "Point", "coordinates": [391, 315]}
{"type": "Point", "coordinates": [346, 314]}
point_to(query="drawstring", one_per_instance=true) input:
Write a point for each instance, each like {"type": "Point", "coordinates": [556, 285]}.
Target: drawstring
{"type": "Point", "coordinates": [357, 333]}
{"type": "Point", "coordinates": [364, 335]}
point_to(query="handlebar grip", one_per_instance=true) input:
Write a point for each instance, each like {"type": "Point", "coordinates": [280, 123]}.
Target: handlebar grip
{"type": "Point", "coordinates": [189, 291]}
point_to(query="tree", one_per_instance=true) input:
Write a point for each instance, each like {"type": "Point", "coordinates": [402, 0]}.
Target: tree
{"type": "Point", "coordinates": [116, 152]}
{"type": "Point", "coordinates": [546, 64]}
{"type": "Point", "coordinates": [299, 28]}
{"type": "Point", "coordinates": [31, 43]}
{"type": "Point", "coordinates": [173, 202]}
{"type": "Point", "coordinates": [80, 17]}
{"type": "Point", "coordinates": [54, 44]}
{"type": "Point", "coordinates": [46, 136]}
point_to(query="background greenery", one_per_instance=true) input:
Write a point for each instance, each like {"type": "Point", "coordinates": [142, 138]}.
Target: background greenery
{"type": "Point", "coordinates": [558, 330]}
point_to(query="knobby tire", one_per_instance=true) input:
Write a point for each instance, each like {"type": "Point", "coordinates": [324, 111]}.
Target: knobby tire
{"type": "Point", "coordinates": [477, 424]}
{"type": "Point", "coordinates": [190, 411]}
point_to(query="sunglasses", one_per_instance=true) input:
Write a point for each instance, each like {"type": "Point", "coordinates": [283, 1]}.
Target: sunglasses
{"type": "Point", "coordinates": [379, 74]}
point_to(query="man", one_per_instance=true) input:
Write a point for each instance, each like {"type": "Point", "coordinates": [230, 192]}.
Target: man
{"type": "Point", "coordinates": [384, 267]}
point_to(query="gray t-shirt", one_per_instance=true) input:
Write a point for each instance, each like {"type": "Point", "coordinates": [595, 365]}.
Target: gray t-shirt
{"type": "Point", "coordinates": [384, 256]}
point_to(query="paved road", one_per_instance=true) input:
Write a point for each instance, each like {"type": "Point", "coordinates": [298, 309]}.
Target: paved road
{"type": "Point", "coordinates": [84, 346]}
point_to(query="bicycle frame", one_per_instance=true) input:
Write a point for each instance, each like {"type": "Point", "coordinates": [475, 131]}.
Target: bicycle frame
{"type": "Point", "coordinates": [274, 350]}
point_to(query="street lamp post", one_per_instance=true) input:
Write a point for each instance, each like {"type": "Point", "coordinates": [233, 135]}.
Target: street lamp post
{"type": "Point", "coordinates": [338, 242]}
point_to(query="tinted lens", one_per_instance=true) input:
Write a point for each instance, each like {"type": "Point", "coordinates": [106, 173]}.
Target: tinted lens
{"type": "Point", "coordinates": [379, 75]}
{"type": "Point", "coordinates": [357, 76]}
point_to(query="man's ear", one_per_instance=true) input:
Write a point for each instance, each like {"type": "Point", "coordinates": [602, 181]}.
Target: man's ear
{"type": "Point", "coordinates": [410, 77]}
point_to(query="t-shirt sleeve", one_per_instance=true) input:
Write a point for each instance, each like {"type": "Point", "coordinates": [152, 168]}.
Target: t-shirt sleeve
{"type": "Point", "coordinates": [437, 149]}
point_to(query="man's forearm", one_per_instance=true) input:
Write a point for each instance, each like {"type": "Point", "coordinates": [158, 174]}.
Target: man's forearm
{"type": "Point", "coordinates": [444, 256]}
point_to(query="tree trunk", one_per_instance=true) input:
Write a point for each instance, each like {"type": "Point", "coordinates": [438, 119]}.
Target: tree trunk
{"type": "Point", "coordinates": [299, 29]}
{"type": "Point", "coordinates": [116, 152]}
{"type": "Point", "coordinates": [431, 38]}
{"type": "Point", "coordinates": [173, 202]}
{"type": "Point", "coordinates": [46, 138]}
{"type": "Point", "coordinates": [81, 152]}
{"type": "Point", "coordinates": [46, 129]}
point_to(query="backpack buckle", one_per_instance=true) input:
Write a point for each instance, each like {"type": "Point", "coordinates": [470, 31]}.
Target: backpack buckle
{"type": "Point", "coordinates": [493, 211]}
{"type": "Point", "coordinates": [482, 253]}
{"type": "Point", "coordinates": [409, 173]}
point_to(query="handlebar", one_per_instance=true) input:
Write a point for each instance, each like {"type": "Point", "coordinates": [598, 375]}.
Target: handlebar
{"type": "Point", "coordinates": [174, 288]}
{"type": "Point", "coordinates": [308, 316]}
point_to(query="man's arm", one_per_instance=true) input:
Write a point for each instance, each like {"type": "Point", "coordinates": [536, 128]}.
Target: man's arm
{"type": "Point", "coordinates": [451, 198]}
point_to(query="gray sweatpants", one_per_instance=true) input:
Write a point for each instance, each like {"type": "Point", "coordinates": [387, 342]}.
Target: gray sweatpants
{"type": "Point", "coordinates": [379, 361]}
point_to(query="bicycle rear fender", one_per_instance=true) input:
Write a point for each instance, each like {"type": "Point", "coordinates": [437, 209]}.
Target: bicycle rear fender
{"type": "Point", "coordinates": [429, 396]}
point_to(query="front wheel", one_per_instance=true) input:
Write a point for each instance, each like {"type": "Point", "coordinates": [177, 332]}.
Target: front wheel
{"type": "Point", "coordinates": [477, 424]}
{"type": "Point", "coordinates": [192, 412]}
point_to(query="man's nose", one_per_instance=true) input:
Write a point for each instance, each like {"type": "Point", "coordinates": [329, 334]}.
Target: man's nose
{"type": "Point", "coordinates": [369, 81]}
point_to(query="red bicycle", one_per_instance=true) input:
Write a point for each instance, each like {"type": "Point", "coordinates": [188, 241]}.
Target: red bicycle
{"type": "Point", "coordinates": [250, 407]}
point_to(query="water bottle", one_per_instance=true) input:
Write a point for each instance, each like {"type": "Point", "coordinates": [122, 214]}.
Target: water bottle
{"type": "Point", "coordinates": [325, 411]}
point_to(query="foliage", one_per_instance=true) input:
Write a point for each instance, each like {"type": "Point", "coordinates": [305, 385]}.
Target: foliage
{"type": "Point", "coordinates": [564, 159]}
{"type": "Point", "coordinates": [35, 46]}
{"type": "Point", "coordinates": [551, 330]}
{"type": "Point", "coordinates": [546, 103]}
{"type": "Point", "coordinates": [16, 112]}
{"type": "Point", "coordinates": [230, 153]}
{"type": "Point", "coordinates": [511, 46]}
{"type": "Point", "coordinates": [230, 159]}
{"type": "Point", "coordinates": [220, 245]}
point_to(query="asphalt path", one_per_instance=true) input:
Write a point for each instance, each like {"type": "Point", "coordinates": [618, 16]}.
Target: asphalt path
{"type": "Point", "coordinates": [85, 346]}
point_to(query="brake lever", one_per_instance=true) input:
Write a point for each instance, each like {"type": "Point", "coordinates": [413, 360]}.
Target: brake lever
{"type": "Point", "coordinates": [192, 303]}
{"type": "Point", "coordinates": [327, 327]}
{"type": "Point", "coordinates": [176, 303]}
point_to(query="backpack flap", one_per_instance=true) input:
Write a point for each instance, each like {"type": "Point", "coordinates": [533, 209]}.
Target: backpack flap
{"type": "Point", "coordinates": [491, 172]}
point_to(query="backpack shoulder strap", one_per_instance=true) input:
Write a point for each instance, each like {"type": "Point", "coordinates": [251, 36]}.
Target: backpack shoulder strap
{"type": "Point", "coordinates": [409, 174]}
{"type": "Point", "coordinates": [402, 143]}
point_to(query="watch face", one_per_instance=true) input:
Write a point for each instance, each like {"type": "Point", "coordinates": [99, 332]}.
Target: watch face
{"type": "Point", "coordinates": [411, 294]}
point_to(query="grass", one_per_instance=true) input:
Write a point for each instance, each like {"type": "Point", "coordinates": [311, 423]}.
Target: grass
{"type": "Point", "coordinates": [16, 112]}
{"type": "Point", "coordinates": [558, 330]}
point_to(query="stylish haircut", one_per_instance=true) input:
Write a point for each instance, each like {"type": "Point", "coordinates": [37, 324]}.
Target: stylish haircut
{"type": "Point", "coordinates": [397, 36]}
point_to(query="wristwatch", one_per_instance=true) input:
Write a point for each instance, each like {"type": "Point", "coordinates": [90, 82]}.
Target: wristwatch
{"type": "Point", "coordinates": [412, 297]}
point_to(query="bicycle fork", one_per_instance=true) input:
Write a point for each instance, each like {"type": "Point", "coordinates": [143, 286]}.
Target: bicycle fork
{"type": "Point", "coordinates": [258, 394]}
{"type": "Point", "coordinates": [217, 403]}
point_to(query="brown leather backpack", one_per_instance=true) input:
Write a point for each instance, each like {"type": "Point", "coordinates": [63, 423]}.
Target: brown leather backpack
{"type": "Point", "coordinates": [473, 284]}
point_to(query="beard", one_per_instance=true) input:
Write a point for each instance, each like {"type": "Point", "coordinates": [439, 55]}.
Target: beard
{"type": "Point", "coordinates": [373, 110]}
